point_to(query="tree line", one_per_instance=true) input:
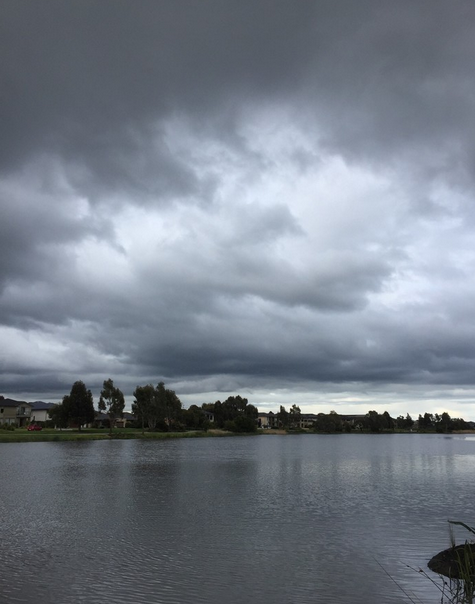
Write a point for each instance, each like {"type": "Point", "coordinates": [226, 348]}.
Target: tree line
{"type": "Point", "coordinates": [159, 408]}
{"type": "Point", "coordinates": [154, 408]}
{"type": "Point", "coordinates": [77, 408]}
{"type": "Point", "coordinates": [382, 422]}
{"type": "Point", "coordinates": [234, 414]}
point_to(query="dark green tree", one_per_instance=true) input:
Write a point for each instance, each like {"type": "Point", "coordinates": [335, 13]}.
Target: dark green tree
{"type": "Point", "coordinates": [373, 421]}
{"type": "Point", "coordinates": [294, 416]}
{"type": "Point", "coordinates": [283, 417]}
{"type": "Point", "coordinates": [195, 418]}
{"type": "Point", "coordinates": [443, 423]}
{"type": "Point", "coordinates": [173, 407]}
{"type": "Point", "coordinates": [252, 412]}
{"type": "Point", "coordinates": [400, 422]}
{"type": "Point", "coordinates": [80, 405]}
{"type": "Point", "coordinates": [457, 423]}
{"type": "Point", "coordinates": [426, 422]}
{"type": "Point", "coordinates": [59, 414]}
{"type": "Point", "coordinates": [157, 407]}
{"type": "Point", "coordinates": [233, 407]}
{"type": "Point", "coordinates": [387, 422]}
{"type": "Point", "coordinates": [111, 401]}
{"type": "Point", "coordinates": [404, 423]}
{"type": "Point", "coordinates": [241, 423]}
{"type": "Point", "coordinates": [143, 405]}
{"type": "Point", "coordinates": [328, 422]}
{"type": "Point", "coordinates": [158, 410]}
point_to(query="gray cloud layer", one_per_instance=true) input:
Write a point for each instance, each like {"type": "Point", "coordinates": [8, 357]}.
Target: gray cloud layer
{"type": "Point", "coordinates": [269, 196]}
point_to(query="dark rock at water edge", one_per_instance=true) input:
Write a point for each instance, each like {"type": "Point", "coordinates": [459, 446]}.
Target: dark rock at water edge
{"type": "Point", "coordinates": [457, 562]}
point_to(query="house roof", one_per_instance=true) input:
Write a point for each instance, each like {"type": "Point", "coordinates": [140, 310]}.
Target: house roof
{"type": "Point", "coordinates": [9, 402]}
{"type": "Point", "coordinates": [41, 406]}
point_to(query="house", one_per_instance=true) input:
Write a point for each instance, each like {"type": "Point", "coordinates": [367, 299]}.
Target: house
{"type": "Point", "coordinates": [101, 420]}
{"type": "Point", "coordinates": [267, 420]}
{"type": "Point", "coordinates": [307, 420]}
{"type": "Point", "coordinates": [40, 410]}
{"type": "Point", "coordinates": [14, 412]}
{"type": "Point", "coordinates": [355, 421]}
{"type": "Point", "coordinates": [126, 419]}
{"type": "Point", "coordinates": [209, 415]}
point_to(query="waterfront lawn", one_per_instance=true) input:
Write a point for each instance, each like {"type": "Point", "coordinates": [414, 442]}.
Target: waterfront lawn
{"type": "Point", "coordinates": [50, 434]}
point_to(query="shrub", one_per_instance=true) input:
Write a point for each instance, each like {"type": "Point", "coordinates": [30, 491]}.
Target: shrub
{"type": "Point", "coordinates": [8, 427]}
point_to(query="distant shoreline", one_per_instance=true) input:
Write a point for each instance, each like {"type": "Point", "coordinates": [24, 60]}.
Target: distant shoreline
{"type": "Point", "coordinates": [50, 435]}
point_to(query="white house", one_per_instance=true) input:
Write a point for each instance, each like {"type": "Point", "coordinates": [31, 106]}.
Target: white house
{"type": "Point", "coordinates": [39, 413]}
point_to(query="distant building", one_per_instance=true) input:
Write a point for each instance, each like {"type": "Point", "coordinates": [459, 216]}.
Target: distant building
{"type": "Point", "coordinates": [101, 420]}
{"type": "Point", "coordinates": [17, 413]}
{"type": "Point", "coordinates": [307, 420]}
{"type": "Point", "coordinates": [39, 413]}
{"type": "Point", "coordinates": [267, 420]}
{"type": "Point", "coordinates": [354, 420]}
{"type": "Point", "coordinates": [209, 415]}
{"type": "Point", "coordinates": [126, 419]}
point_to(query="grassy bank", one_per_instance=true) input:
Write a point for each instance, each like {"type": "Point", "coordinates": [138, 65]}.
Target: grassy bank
{"type": "Point", "coordinates": [21, 435]}
{"type": "Point", "coordinates": [50, 435]}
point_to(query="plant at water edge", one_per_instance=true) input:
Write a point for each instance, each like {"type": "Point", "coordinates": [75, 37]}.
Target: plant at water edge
{"type": "Point", "coordinates": [466, 566]}
{"type": "Point", "coordinates": [457, 564]}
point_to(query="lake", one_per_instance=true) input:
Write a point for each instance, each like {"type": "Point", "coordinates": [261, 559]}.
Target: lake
{"type": "Point", "coordinates": [266, 519]}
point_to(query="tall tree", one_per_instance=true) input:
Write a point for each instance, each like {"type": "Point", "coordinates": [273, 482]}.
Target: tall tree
{"type": "Point", "coordinates": [156, 406]}
{"type": "Point", "coordinates": [142, 407]}
{"type": "Point", "coordinates": [294, 416]}
{"type": "Point", "coordinates": [160, 406]}
{"type": "Point", "coordinates": [252, 412]}
{"type": "Point", "coordinates": [80, 404]}
{"type": "Point", "coordinates": [194, 417]}
{"type": "Point", "coordinates": [283, 417]}
{"type": "Point", "coordinates": [387, 421]}
{"type": "Point", "coordinates": [426, 422]}
{"type": "Point", "coordinates": [444, 423]}
{"type": "Point", "coordinates": [330, 422]}
{"type": "Point", "coordinates": [59, 414]}
{"type": "Point", "coordinates": [374, 421]}
{"type": "Point", "coordinates": [173, 406]}
{"type": "Point", "coordinates": [233, 407]}
{"type": "Point", "coordinates": [112, 401]}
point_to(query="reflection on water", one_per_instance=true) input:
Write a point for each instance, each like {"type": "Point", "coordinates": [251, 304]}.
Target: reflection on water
{"type": "Point", "coordinates": [248, 519]}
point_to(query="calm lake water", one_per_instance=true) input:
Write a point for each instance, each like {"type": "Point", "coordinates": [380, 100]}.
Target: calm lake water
{"type": "Point", "coordinates": [269, 519]}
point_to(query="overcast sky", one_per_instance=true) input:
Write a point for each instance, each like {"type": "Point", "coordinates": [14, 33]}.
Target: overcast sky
{"type": "Point", "coordinates": [258, 197]}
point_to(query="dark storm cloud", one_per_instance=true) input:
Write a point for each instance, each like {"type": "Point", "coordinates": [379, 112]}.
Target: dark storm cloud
{"type": "Point", "coordinates": [40, 225]}
{"type": "Point", "coordinates": [265, 193]}
{"type": "Point", "coordinates": [92, 80]}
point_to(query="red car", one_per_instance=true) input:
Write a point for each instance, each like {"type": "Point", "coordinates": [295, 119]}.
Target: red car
{"type": "Point", "coordinates": [34, 427]}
